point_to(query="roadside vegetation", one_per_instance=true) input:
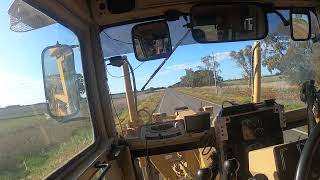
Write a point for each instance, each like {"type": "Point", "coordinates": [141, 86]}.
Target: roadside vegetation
{"type": "Point", "coordinates": [238, 92]}
{"type": "Point", "coordinates": [38, 164]}
{"type": "Point", "coordinates": [33, 146]}
{"type": "Point", "coordinates": [146, 107]}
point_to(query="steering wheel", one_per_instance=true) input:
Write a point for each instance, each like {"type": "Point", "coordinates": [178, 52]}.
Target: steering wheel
{"type": "Point", "coordinates": [308, 153]}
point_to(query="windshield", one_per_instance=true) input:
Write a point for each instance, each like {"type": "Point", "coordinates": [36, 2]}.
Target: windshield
{"type": "Point", "coordinates": [198, 75]}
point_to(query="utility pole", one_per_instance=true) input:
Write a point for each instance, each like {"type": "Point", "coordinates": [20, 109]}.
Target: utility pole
{"type": "Point", "coordinates": [215, 72]}
{"type": "Point", "coordinates": [215, 76]}
{"type": "Point", "coordinates": [257, 73]}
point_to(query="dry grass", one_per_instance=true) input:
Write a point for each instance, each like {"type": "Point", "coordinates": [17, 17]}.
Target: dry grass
{"type": "Point", "coordinates": [284, 93]}
{"type": "Point", "coordinates": [149, 104]}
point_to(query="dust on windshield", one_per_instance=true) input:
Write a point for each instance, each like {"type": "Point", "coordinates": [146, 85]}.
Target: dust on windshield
{"type": "Point", "coordinates": [199, 75]}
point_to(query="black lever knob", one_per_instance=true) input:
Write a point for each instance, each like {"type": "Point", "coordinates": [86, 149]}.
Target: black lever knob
{"type": "Point", "coordinates": [204, 174]}
{"type": "Point", "coordinates": [230, 166]}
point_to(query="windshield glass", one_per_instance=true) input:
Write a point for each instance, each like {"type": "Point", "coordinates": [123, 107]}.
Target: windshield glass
{"type": "Point", "coordinates": [198, 75]}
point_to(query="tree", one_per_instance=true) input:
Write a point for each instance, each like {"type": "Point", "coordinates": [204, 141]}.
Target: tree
{"type": "Point", "coordinates": [292, 59]}
{"type": "Point", "coordinates": [211, 66]}
{"type": "Point", "coordinates": [243, 58]}
{"type": "Point", "coordinates": [196, 78]}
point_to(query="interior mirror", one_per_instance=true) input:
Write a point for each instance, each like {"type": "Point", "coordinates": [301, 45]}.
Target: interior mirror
{"type": "Point", "coordinates": [60, 82]}
{"type": "Point", "coordinates": [228, 22]}
{"type": "Point", "coordinates": [151, 40]}
{"type": "Point", "coordinates": [300, 24]}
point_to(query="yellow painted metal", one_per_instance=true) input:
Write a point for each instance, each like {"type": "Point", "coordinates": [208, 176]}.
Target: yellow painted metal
{"type": "Point", "coordinates": [63, 97]}
{"type": "Point", "coordinates": [177, 165]}
{"type": "Point", "coordinates": [133, 114]}
{"type": "Point", "coordinates": [257, 73]}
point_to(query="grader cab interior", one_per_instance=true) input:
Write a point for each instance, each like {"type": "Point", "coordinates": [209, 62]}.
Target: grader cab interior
{"type": "Point", "coordinates": [179, 89]}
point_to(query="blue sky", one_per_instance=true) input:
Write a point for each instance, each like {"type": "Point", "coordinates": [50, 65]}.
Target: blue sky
{"type": "Point", "coordinates": [20, 58]}
{"type": "Point", "coordinates": [187, 56]}
{"type": "Point", "coordinates": [21, 72]}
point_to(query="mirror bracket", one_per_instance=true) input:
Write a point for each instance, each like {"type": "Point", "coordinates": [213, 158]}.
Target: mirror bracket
{"type": "Point", "coordinates": [283, 19]}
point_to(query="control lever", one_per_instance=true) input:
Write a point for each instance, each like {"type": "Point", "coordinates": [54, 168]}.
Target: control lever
{"type": "Point", "coordinates": [105, 167]}
{"type": "Point", "coordinates": [115, 152]}
{"type": "Point", "coordinates": [231, 167]}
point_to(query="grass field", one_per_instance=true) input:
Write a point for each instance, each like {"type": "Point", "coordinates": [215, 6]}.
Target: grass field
{"type": "Point", "coordinates": [13, 125]}
{"type": "Point", "coordinates": [33, 146]}
{"type": "Point", "coordinates": [273, 87]}
{"type": "Point", "coordinates": [265, 79]}
{"type": "Point", "coordinates": [36, 165]}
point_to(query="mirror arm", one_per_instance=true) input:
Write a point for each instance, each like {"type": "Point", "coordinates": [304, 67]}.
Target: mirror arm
{"type": "Point", "coordinates": [134, 84]}
{"type": "Point", "coordinates": [165, 60]}
{"type": "Point", "coordinates": [284, 21]}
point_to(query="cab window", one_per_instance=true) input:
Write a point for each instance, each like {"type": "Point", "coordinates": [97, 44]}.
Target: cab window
{"type": "Point", "coordinates": [212, 74]}
{"type": "Point", "coordinates": [33, 142]}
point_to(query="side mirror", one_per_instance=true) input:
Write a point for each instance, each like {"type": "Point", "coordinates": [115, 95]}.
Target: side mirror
{"type": "Point", "coordinates": [151, 40]}
{"type": "Point", "coordinates": [300, 21]}
{"type": "Point", "coordinates": [60, 82]}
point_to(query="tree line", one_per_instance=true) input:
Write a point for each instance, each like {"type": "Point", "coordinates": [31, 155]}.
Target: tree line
{"type": "Point", "coordinates": [296, 61]}
{"type": "Point", "coordinates": [207, 74]}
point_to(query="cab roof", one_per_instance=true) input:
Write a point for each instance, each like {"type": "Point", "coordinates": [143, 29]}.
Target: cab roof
{"type": "Point", "coordinates": [108, 13]}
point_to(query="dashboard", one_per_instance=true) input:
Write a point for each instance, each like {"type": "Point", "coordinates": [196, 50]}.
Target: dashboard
{"type": "Point", "coordinates": [191, 132]}
{"type": "Point", "coordinates": [195, 123]}
{"type": "Point", "coordinates": [248, 139]}
{"type": "Point", "coordinates": [162, 130]}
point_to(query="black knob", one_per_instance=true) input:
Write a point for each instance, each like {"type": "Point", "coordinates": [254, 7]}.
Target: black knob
{"type": "Point", "coordinates": [204, 174]}
{"type": "Point", "coordinates": [230, 166]}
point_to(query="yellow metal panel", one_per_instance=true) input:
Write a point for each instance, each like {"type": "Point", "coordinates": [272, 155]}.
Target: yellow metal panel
{"type": "Point", "coordinates": [262, 161]}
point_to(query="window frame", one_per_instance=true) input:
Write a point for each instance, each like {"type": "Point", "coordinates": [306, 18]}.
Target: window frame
{"type": "Point", "coordinates": [82, 163]}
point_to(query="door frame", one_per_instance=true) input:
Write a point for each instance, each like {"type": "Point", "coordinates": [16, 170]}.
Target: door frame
{"type": "Point", "coordinates": [81, 166]}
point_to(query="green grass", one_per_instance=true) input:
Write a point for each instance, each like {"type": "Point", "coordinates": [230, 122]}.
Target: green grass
{"type": "Point", "coordinates": [37, 165]}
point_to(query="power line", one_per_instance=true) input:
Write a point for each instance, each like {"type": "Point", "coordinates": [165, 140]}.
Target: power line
{"type": "Point", "coordinates": [125, 74]}
{"type": "Point", "coordinates": [115, 39]}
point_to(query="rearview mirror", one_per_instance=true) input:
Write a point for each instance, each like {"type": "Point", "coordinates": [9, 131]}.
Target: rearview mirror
{"type": "Point", "coordinates": [228, 22]}
{"type": "Point", "coordinates": [300, 24]}
{"type": "Point", "coordinates": [60, 82]}
{"type": "Point", "coordinates": [151, 40]}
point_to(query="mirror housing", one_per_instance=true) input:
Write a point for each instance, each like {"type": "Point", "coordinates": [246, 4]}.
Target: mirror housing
{"type": "Point", "coordinates": [300, 24]}
{"type": "Point", "coordinates": [244, 21]}
{"type": "Point", "coordinates": [151, 40]}
{"type": "Point", "coordinates": [60, 82]}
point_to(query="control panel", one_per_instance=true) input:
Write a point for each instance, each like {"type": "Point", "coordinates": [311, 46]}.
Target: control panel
{"type": "Point", "coordinates": [242, 128]}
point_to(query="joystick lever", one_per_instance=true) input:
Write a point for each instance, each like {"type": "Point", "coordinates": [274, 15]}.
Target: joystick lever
{"type": "Point", "coordinates": [231, 167]}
